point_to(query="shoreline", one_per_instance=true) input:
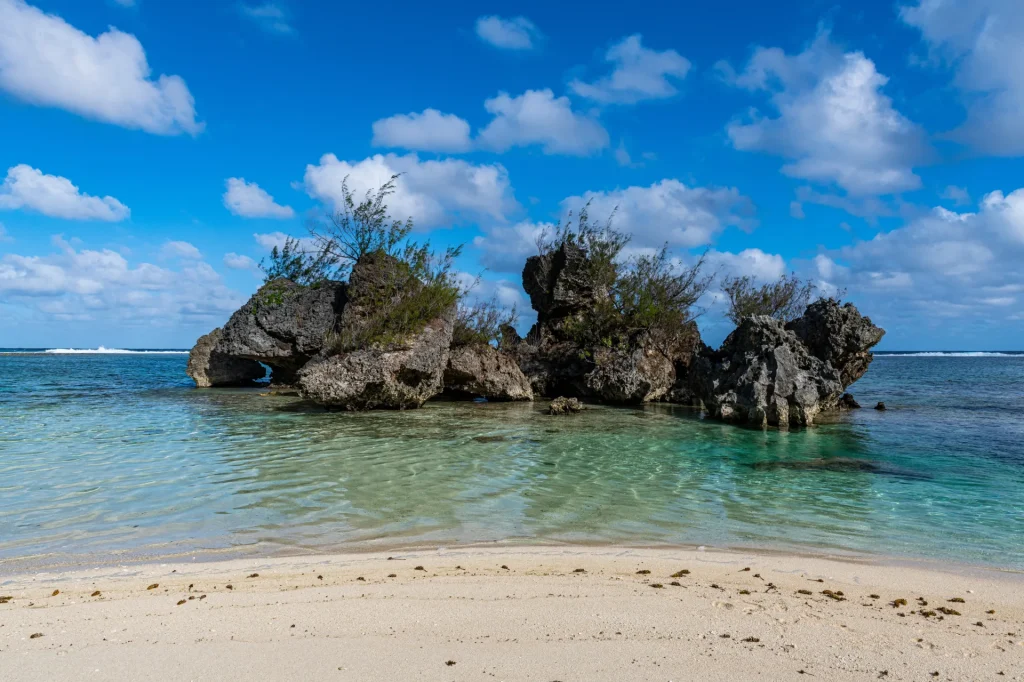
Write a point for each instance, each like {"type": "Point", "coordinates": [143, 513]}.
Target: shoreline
{"type": "Point", "coordinates": [516, 613]}
{"type": "Point", "coordinates": [13, 568]}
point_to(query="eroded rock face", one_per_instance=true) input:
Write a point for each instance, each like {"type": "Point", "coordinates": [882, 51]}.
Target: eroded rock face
{"type": "Point", "coordinates": [484, 371]}
{"type": "Point", "coordinates": [763, 375]}
{"type": "Point", "coordinates": [209, 368]}
{"type": "Point", "coordinates": [839, 335]}
{"type": "Point", "coordinates": [377, 377]}
{"type": "Point", "coordinates": [284, 325]}
{"type": "Point", "coordinates": [629, 377]}
{"type": "Point", "coordinates": [388, 374]}
{"type": "Point", "coordinates": [562, 405]}
{"type": "Point", "coordinates": [562, 288]}
{"type": "Point", "coordinates": [558, 283]}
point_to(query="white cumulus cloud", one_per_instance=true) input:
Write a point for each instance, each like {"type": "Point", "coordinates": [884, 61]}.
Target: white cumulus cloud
{"type": "Point", "coordinates": [29, 188]}
{"type": "Point", "coordinates": [639, 73]}
{"type": "Point", "coordinates": [249, 200]}
{"type": "Point", "coordinates": [48, 62]}
{"type": "Point", "coordinates": [938, 266]}
{"type": "Point", "coordinates": [430, 131]}
{"type": "Point", "coordinates": [235, 261]}
{"type": "Point", "coordinates": [518, 33]}
{"type": "Point", "coordinates": [668, 212]}
{"type": "Point", "coordinates": [505, 248]}
{"type": "Point", "coordinates": [834, 123]}
{"type": "Point", "coordinates": [178, 249]}
{"type": "Point", "coordinates": [538, 117]}
{"type": "Point", "coordinates": [102, 285]}
{"type": "Point", "coordinates": [433, 192]}
{"type": "Point", "coordinates": [983, 40]}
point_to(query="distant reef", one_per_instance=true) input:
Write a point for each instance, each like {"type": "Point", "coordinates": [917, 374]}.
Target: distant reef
{"type": "Point", "coordinates": [326, 340]}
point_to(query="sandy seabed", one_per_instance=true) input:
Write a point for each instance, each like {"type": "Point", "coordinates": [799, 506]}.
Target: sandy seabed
{"type": "Point", "coordinates": [490, 613]}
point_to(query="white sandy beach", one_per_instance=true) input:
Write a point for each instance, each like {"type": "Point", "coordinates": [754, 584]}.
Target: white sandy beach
{"type": "Point", "coordinates": [465, 616]}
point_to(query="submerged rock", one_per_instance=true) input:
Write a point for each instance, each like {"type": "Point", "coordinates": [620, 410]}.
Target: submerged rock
{"type": "Point", "coordinates": [848, 402]}
{"type": "Point", "coordinates": [841, 464]}
{"type": "Point", "coordinates": [563, 405]}
{"type": "Point", "coordinates": [284, 325]}
{"type": "Point", "coordinates": [880, 407]}
{"type": "Point", "coordinates": [208, 367]}
{"type": "Point", "coordinates": [483, 371]}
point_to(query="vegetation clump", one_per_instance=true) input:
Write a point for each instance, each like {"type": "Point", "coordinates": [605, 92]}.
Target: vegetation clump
{"type": "Point", "coordinates": [403, 287]}
{"type": "Point", "coordinates": [784, 299]}
{"type": "Point", "coordinates": [645, 296]}
{"type": "Point", "coordinates": [482, 323]}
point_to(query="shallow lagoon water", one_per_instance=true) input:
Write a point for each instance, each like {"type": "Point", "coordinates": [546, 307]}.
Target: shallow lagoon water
{"type": "Point", "coordinates": [114, 457]}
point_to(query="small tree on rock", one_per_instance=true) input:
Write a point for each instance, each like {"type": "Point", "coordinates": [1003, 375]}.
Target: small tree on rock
{"type": "Point", "coordinates": [784, 299]}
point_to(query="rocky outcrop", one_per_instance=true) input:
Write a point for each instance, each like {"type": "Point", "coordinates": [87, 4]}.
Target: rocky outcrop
{"type": "Point", "coordinates": [838, 335]}
{"type": "Point", "coordinates": [381, 377]}
{"type": "Point", "coordinates": [563, 405]}
{"type": "Point", "coordinates": [209, 367]}
{"type": "Point", "coordinates": [563, 287]}
{"type": "Point", "coordinates": [483, 371]}
{"type": "Point", "coordinates": [371, 367]}
{"type": "Point", "coordinates": [764, 376]}
{"type": "Point", "coordinates": [770, 374]}
{"type": "Point", "coordinates": [632, 376]}
{"type": "Point", "coordinates": [284, 325]}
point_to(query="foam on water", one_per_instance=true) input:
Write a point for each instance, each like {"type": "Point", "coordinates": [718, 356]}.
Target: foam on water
{"type": "Point", "coordinates": [102, 350]}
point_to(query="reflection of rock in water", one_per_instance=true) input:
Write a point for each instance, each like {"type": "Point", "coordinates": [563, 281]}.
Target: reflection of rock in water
{"type": "Point", "coordinates": [839, 464]}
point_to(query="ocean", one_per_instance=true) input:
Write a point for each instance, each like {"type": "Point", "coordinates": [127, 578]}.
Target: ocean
{"type": "Point", "coordinates": [113, 456]}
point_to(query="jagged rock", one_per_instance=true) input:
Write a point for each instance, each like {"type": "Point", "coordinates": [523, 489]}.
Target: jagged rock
{"type": "Point", "coordinates": [880, 407]}
{"type": "Point", "coordinates": [848, 402]}
{"type": "Point", "coordinates": [763, 375]}
{"type": "Point", "coordinates": [839, 335]}
{"type": "Point", "coordinates": [636, 376]}
{"type": "Point", "coordinates": [770, 374]}
{"type": "Point", "coordinates": [562, 287]}
{"type": "Point", "coordinates": [371, 369]}
{"type": "Point", "coordinates": [483, 371]}
{"type": "Point", "coordinates": [376, 377]}
{"type": "Point", "coordinates": [284, 325]}
{"type": "Point", "coordinates": [558, 283]}
{"type": "Point", "coordinates": [563, 405]}
{"type": "Point", "coordinates": [208, 367]}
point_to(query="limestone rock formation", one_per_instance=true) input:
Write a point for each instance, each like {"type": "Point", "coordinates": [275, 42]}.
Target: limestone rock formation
{"type": "Point", "coordinates": [284, 325]}
{"type": "Point", "coordinates": [483, 371]}
{"type": "Point", "coordinates": [770, 374]}
{"type": "Point", "coordinates": [208, 367]}
{"type": "Point", "coordinates": [764, 376]}
{"type": "Point", "coordinates": [372, 365]}
{"type": "Point", "coordinates": [563, 405]}
{"type": "Point", "coordinates": [839, 335]}
{"type": "Point", "coordinates": [562, 288]}
{"type": "Point", "coordinates": [381, 377]}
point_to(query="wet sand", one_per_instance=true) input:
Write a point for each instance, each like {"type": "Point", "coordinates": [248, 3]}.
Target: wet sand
{"type": "Point", "coordinates": [565, 613]}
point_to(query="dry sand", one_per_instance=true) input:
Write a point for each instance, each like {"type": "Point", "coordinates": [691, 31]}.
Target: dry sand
{"type": "Point", "coordinates": [515, 614]}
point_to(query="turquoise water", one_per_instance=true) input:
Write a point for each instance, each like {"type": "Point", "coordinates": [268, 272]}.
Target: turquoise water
{"type": "Point", "coordinates": [110, 457]}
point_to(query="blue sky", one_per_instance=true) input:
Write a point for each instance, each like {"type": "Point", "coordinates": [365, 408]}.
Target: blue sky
{"type": "Point", "coordinates": [153, 151]}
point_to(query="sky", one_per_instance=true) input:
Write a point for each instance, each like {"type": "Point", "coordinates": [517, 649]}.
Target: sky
{"type": "Point", "coordinates": [153, 151]}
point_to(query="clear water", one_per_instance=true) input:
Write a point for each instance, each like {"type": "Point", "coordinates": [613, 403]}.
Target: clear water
{"type": "Point", "coordinates": [110, 457]}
